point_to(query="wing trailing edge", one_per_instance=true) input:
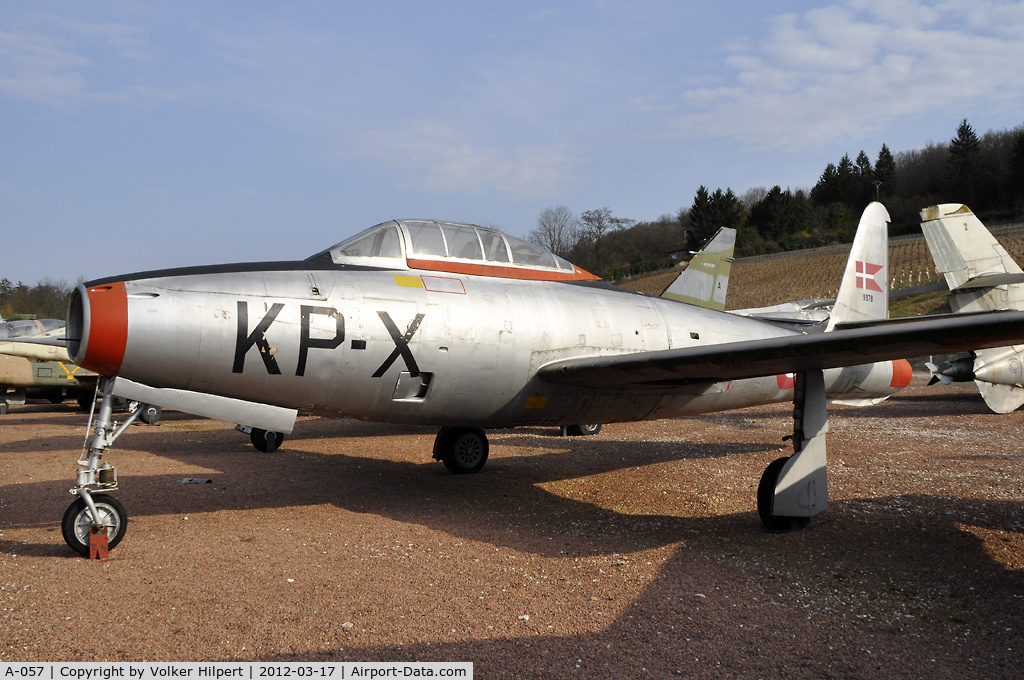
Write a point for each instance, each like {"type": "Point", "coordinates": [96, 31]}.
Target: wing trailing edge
{"type": "Point", "coordinates": [790, 354]}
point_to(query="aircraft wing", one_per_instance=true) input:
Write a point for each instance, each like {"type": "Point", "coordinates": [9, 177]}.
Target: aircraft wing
{"type": "Point", "coordinates": [38, 351]}
{"type": "Point", "coordinates": [791, 354]}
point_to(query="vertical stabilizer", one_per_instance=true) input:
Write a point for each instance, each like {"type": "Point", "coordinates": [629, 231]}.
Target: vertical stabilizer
{"type": "Point", "coordinates": [864, 291]}
{"type": "Point", "coordinates": [982, 277]}
{"type": "Point", "coordinates": [978, 270]}
{"type": "Point", "coordinates": [705, 281]}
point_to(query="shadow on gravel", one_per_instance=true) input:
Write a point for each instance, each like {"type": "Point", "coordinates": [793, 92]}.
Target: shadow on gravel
{"type": "Point", "coordinates": [875, 587]}
{"type": "Point", "coordinates": [508, 495]}
{"type": "Point", "coordinates": [56, 549]}
{"type": "Point", "coordinates": [738, 602]}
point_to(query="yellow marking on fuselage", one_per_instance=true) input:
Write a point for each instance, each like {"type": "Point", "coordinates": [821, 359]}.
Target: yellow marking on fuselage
{"type": "Point", "coordinates": [70, 374]}
{"type": "Point", "coordinates": [536, 403]}
{"type": "Point", "coordinates": [408, 281]}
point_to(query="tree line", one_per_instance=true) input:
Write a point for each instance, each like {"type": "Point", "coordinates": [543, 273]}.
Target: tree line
{"type": "Point", "coordinates": [48, 299]}
{"type": "Point", "coordinates": [986, 173]}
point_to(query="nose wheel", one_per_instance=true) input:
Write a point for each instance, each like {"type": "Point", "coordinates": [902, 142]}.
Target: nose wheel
{"type": "Point", "coordinates": [78, 521]}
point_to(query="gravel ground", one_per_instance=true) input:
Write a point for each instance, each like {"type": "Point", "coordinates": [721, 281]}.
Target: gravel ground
{"type": "Point", "coordinates": [634, 553]}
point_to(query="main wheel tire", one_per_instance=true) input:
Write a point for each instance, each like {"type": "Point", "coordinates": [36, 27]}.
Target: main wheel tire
{"type": "Point", "coordinates": [150, 413]}
{"type": "Point", "coordinates": [463, 450]}
{"type": "Point", "coordinates": [582, 430]}
{"type": "Point", "coordinates": [765, 494]}
{"type": "Point", "coordinates": [266, 441]}
{"type": "Point", "coordinates": [77, 522]}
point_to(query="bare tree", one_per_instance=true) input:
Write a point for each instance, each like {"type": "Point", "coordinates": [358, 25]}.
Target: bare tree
{"type": "Point", "coordinates": [595, 223]}
{"type": "Point", "coordinates": [557, 230]}
{"type": "Point", "coordinates": [753, 196]}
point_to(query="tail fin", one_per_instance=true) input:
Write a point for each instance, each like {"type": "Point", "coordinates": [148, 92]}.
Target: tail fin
{"type": "Point", "coordinates": [705, 281]}
{"type": "Point", "coordinates": [982, 277]}
{"type": "Point", "coordinates": [864, 290]}
{"type": "Point", "coordinates": [977, 268]}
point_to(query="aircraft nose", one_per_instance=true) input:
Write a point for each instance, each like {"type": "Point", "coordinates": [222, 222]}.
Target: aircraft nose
{"type": "Point", "coordinates": [97, 327]}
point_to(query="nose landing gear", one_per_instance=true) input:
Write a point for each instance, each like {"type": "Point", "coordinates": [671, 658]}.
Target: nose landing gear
{"type": "Point", "coordinates": [93, 509]}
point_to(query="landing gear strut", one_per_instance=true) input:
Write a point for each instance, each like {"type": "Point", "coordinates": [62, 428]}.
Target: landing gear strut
{"type": "Point", "coordinates": [93, 509]}
{"type": "Point", "coordinates": [794, 489]}
{"type": "Point", "coordinates": [463, 450]}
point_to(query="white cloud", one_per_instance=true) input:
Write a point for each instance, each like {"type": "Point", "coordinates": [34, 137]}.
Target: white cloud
{"type": "Point", "coordinates": [440, 160]}
{"type": "Point", "coordinates": [126, 39]}
{"type": "Point", "coordinates": [40, 69]}
{"type": "Point", "coordinates": [60, 63]}
{"type": "Point", "coordinates": [854, 68]}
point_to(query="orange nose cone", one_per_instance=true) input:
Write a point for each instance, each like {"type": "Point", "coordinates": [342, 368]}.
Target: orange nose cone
{"type": "Point", "coordinates": [107, 328]}
{"type": "Point", "coordinates": [901, 373]}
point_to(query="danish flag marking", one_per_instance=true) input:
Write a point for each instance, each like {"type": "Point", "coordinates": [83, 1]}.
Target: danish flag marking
{"type": "Point", "coordinates": [866, 276]}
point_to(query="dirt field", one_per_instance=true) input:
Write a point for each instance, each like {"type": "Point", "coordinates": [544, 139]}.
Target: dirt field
{"type": "Point", "coordinates": [636, 553]}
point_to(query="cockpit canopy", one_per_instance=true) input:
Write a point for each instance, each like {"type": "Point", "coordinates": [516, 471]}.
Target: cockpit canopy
{"type": "Point", "coordinates": [451, 247]}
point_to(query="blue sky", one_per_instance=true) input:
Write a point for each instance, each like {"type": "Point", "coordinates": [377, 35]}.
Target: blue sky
{"type": "Point", "coordinates": [140, 135]}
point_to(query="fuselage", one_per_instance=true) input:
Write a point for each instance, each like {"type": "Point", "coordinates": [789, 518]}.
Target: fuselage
{"type": "Point", "coordinates": [414, 345]}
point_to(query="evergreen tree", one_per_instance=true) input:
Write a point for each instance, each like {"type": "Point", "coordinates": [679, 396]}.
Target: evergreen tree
{"type": "Point", "coordinates": [847, 181]}
{"type": "Point", "coordinates": [710, 212]}
{"type": "Point", "coordinates": [826, 191]}
{"type": "Point", "coordinates": [777, 216]}
{"type": "Point", "coordinates": [885, 174]}
{"type": "Point", "coordinates": [702, 219]}
{"type": "Point", "coordinates": [864, 192]}
{"type": "Point", "coordinates": [1015, 172]}
{"type": "Point", "coordinates": [963, 162]}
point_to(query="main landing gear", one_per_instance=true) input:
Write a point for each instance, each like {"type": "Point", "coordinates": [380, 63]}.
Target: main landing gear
{"type": "Point", "coordinates": [149, 414]}
{"type": "Point", "coordinates": [93, 511]}
{"type": "Point", "coordinates": [463, 450]}
{"type": "Point", "coordinates": [794, 489]}
{"type": "Point", "coordinates": [266, 441]}
{"type": "Point", "coordinates": [581, 430]}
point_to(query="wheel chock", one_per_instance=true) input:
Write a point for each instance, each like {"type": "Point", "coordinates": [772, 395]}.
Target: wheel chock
{"type": "Point", "coordinates": [98, 548]}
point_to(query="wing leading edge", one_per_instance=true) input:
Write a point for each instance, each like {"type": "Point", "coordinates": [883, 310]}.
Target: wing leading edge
{"type": "Point", "coordinates": [790, 354]}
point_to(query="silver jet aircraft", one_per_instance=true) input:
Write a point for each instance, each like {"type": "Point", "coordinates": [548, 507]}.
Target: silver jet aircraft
{"type": "Point", "coordinates": [466, 328]}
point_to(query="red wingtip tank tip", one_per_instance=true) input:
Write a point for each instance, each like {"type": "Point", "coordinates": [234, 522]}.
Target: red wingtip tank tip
{"type": "Point", "coordinates": [901, 373]}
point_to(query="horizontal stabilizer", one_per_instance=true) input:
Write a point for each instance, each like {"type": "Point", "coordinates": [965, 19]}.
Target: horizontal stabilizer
{"type": "Point", "coordinates": [990, 279]}
{"type": "Point", "coordinates": [264, 416]}
{"type": "Point", "coordinates": [1001, 398]}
